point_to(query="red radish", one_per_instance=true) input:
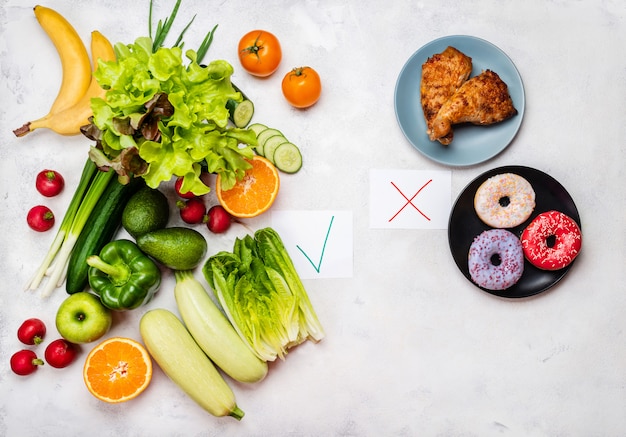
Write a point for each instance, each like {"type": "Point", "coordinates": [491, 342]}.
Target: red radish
{"type": "Point", "coordinates": [40, 218]}
{"type": "Point", "coordinates": [49, 183]}
{"type": "Point", "coordinates": [192, 211]}
{"type": "Point", "coordinates": [177, 186]}
{"type": "Point", "coordinates": [60, 353]}
{"type": "Point", "coordinates": [218, 219]}
{"type": "Point", "coordinates": [25, 362]}
{"type": "Point", "coordinates": [31, 331]}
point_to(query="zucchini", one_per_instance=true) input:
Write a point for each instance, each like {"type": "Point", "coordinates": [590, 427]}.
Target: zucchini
{"type": "Point", "coordinates": [181, 359]}
{"type": "Point", "coordinates": [214, 333]}
{"type": "Point", "coordinates": [240, 113]}
{"type": "Point", "coordinates": [287, 158]}
{"type": "Point", "coordinates": [100, 228]}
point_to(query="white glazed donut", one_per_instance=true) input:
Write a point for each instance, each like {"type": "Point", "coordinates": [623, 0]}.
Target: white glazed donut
{"type": "Point", "coordinates": [504, 201]}
{"type": "Point", "coordinates": [496, 259]}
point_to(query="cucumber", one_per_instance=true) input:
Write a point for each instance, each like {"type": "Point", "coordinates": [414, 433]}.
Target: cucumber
{"type": "Point", "coordinates": [101, 226]}
{"type": "Point", "coordinates": [269, 140]}
{"type": "Point", "coordinates": [240, 113]}
{"type": "Point", "coordinates": [257, 128]}
{"type": "Point", "coordinates": [271, 144]}
{"type": "Point", "coordinates": [181, 359]}
{"type": "Point", "coordinates": [287, 158]}
{"type": "Point", "coordinates": [263, 137]}
{"type": "Point", "coordinates": [267, 133]}
{"type": "Point", "coordinates": [215, 335]}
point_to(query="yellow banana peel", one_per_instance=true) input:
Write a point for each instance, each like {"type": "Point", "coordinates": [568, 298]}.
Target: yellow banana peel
{"type": "Point", "coordinates": [70, 120]}
{"type": "Point", "coordinates": [72, 53]}
{"type": "Point", "coordinates": [72, 106]}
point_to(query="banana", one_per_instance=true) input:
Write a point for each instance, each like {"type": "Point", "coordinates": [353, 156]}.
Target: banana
{"type": "Point", "coordinates": [75, 64]}
{"type": "Point", "coordinates": [73, 54]}
{"type": "Point", "coordinates": [70, 120]}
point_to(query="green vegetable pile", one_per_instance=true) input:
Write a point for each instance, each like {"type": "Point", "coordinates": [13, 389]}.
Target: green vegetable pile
{"type": "Point", "coordinates": [165, 116]}
{"type": "Point", "coordinates": [262, 295]}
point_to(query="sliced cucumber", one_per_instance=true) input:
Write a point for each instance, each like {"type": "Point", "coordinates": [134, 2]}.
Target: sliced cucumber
{"type": "Point", "coordinates": [257, 128]}
{"type": "Point", "coordinates": [263, 136]}
{"type": "Point", "coordinates": [240, 112]}
{"type": "Point", "coordinates": [287, 158]}
{"type": "Point", "coordinates": [270, 145]}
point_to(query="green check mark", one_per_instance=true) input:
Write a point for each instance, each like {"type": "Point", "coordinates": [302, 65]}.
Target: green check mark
{"type": "Point", "coordinates": [318, 266]}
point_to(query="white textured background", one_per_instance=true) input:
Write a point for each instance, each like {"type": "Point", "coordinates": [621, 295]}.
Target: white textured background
{"type": "Point", "coordinates": [412, 348]}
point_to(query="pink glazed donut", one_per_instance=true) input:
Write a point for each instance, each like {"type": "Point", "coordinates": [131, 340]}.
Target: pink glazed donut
{"type": "Point", "coordinates": [551, 241]}
{"type": "Point", "coordinates": [496, 259]}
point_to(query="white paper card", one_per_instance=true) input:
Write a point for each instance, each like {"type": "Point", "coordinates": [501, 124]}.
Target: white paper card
{"type": "Point", "coordinates": [410, 199]}
{"type": "Point", "coordinates": [320, 243]}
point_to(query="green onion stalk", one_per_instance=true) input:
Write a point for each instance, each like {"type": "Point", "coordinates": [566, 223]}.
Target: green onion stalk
{"type": "Point", "coordinates": [93, 183]}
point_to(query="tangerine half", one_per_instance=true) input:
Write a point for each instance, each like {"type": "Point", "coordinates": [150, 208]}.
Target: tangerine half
{"type": "Point", "coordinates": [254, 193]}
{"type": "Point", "coordinates": [117, 370]}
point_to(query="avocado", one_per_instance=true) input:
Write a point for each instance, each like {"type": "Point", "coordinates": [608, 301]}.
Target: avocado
{"type": "Point", "coordinates": [178, 248]}
{"type": "Point", "coordinates": [146, 211]}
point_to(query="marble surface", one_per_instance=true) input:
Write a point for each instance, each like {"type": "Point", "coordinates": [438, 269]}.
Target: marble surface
{"type": "Point", "coordinates": [412, 348]}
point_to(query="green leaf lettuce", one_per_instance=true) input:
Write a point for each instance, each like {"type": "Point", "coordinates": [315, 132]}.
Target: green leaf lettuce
{"type": "Point", "coordinates": [173, 112]}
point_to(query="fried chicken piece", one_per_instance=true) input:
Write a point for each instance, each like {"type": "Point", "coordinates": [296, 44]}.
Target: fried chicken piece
{"type": "Point", "coordinates": [442, 75]}
{"type": "Point", "coordinates": [482, 100]}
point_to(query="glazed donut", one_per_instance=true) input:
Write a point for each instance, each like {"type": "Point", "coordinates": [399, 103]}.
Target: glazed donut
{"type": "Point", "coordinates": [504, 201]}
{"type": "Point", "coordinates": [551, 241]}
{"type": "Point", "coordinates": [496, 259]}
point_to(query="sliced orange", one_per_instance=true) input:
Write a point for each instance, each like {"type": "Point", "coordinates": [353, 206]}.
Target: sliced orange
{"type": "Point", "coordinates": [254, 194]}
{"type": "Point", "coordinates": [117, 370]}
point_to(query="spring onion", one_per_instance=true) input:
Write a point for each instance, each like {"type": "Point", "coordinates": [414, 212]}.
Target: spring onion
{"type": "Point", "coordinates": [90, 188]}
{"type": "Point", "coordinates": [222, 145]}
{"type": "Point", "coordinates": [89, 170]}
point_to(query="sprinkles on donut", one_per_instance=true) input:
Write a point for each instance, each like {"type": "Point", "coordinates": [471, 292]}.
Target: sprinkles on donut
{"type": "Point", "coordinates": [496, 259]}
{"type": "Point", "coordinates": [504, 200]}
{"type": "Point", "coordinates": [551, 241]}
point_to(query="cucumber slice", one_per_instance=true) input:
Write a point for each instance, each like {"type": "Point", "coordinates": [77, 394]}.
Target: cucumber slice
{"type": "Point", "coordinates": [287, 158]}
{"type": "Point", "coordinates": [271, 144]}
{"type": "Point", "coordinates": [263, 136]}
{"type": "Point", "coordinates": [257, 128]}
{"type": "Point", "coordinates": [240, 112]}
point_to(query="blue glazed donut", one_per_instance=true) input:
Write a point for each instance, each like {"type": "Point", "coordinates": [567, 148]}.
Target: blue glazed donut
{"type": "Point", "coordinates": [496, 259]}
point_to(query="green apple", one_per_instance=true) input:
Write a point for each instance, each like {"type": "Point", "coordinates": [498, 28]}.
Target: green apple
{"type": "Point", "coordinates": [82, 318]}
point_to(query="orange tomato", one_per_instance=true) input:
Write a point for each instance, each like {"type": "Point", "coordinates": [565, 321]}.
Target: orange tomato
{"type": "Point", "coordinates": [302, 87]}
{"type": "Point", "coordinates": [260, 53]}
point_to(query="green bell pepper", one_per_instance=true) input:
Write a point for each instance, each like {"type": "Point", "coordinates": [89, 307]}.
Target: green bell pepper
{"type": "Point", "coordinates": [123, 276]}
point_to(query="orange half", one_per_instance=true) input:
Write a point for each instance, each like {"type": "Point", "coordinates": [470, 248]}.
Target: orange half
{"type": "Point", "coordinates": [254, 194]}
{"type": "Point", "coordinates": [117, 370]}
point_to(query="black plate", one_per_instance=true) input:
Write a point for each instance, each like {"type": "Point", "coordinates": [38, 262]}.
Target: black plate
{"type": "Point", "coordinates": [464, 226]}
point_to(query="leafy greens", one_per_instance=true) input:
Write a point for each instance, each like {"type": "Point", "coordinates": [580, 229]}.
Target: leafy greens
{"type": "Point", "coordinates": [262, 295]}
{"type": "Point", "coordinates": [163, 116]}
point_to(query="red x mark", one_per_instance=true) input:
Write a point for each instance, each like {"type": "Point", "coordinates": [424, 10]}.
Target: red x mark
{"type": "Point", "coordinates": [410, 201]}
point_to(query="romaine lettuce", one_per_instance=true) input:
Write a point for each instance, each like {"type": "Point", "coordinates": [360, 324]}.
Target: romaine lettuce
{"type": "Point", "coordinates": [262, 295]}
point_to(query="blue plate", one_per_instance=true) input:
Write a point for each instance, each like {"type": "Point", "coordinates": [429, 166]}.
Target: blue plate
{"type": "Point", "coordinates": [471, 144]}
